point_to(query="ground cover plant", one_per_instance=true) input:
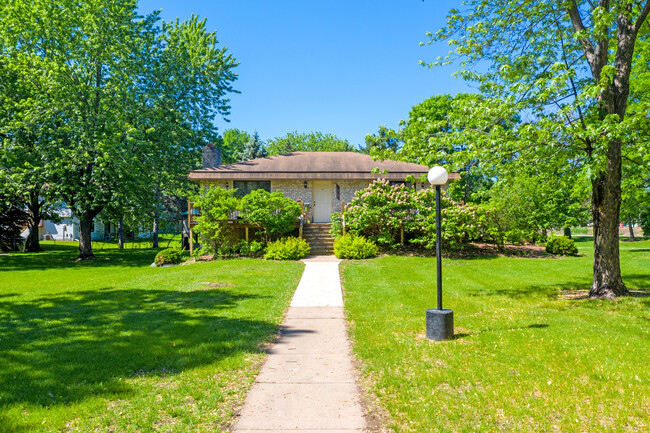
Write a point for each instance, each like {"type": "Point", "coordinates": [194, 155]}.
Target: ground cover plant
{"type": "Point", "coordinates": [115, 345]}
{"type": "Point", "coordinates": [532, 352]}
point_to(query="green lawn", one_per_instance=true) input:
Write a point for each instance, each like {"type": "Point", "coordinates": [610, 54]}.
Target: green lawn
{"type": "Point", "coordinates": [525, 358]}
{"type": "Point", "coordinates": [114, 345]}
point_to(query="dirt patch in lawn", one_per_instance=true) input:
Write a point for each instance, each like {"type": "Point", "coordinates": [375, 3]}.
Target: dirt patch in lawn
{"type": "Point", "coordinates": [576, 295]}
{"type": "Point", "coordinates": [480, 250]}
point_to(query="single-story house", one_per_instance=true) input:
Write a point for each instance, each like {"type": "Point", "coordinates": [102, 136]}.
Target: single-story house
{"type": "Point", "coordinates": [321, 180]}
{"type": "Point", "coordinates": [66, 228]}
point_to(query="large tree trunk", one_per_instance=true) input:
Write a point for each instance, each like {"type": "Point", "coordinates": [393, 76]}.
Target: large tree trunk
{"type": "Point", "coordinates": [605, 209]}
{"type": "Point", "coordinates": [120, 235]}
{"type": "Point", "coordinates": [32, 243]}
{"type": "Point", "coordinates": [567, 232]}
{"type": "Point", "coordinates": [85, 230]}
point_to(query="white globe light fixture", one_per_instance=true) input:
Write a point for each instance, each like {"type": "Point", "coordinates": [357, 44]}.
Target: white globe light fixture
{"type": "Point", "coordinates": [437, 176]}
{"type": "Point", "coordinates": [439, 322]}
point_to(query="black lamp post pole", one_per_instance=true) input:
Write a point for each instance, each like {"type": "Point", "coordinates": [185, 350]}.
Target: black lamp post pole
{"type": "Point", "coordinates": [440, 322]}
{"type": "Point", "coordinates": [438, 248]}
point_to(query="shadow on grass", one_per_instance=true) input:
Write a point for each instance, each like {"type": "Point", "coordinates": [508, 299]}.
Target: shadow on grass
{"type": "Point", "coordinates": [62, 349]}
{"type": "Point", "coordinates": [64, 256]}
{"type": "Point", "coordinates": [636, 283]}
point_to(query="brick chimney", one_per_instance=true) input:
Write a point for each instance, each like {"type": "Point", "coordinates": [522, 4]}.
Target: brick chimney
{"type": "Point", "coordinates": [211, 156]}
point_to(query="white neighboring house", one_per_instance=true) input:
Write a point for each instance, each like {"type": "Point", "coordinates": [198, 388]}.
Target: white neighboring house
{"type": "Point", "coordinates": [68, 228]}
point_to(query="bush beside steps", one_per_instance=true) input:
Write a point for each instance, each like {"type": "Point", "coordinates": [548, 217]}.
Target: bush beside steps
{"type": "Point", "coordinates": [351, 246]}
{"type": "Point", "coordinates": [287, 249]}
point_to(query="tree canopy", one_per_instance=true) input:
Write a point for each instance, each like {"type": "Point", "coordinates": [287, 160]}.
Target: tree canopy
{"type": "Point", "coordinates": [565, 69]}
{"type": "Point", "coordinates": [121, 103]}
{"type": "Point", "coordinates": [308, 142]}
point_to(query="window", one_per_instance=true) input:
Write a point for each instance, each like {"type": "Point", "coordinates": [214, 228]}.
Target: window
{"type": "Point", "coordinates": [246, 186]}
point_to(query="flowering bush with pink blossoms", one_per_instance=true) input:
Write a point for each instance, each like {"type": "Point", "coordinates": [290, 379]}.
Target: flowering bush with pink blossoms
{"type": "Point", "coordinates": [381, 210]}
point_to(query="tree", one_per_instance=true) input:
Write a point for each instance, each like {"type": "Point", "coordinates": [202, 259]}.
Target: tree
{"type": "Point", "coordinates": [12, 219]}
{"type": "Point", "coordinates": [28, 136]}
{"type": "Point", "coordinates": [233, 144]}
{"type": "Point", "coordinates": [272, 212]}
{"type": "Point", "coordinates": [385, 139]}
{"type": "Point", "coordinates": [307, 142]}
{"type": "Point", "coordinates": [216, 205]}
{"type": "Point", "coordinates": [131, 97]}
{"type": "Point", "coordinates": [566, 66]}
{"type": "Point", "coordinates": [253, 149]}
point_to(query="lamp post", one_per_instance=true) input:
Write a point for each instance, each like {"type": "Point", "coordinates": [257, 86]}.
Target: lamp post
{"type": "Point", "coordinates": [439, 322]}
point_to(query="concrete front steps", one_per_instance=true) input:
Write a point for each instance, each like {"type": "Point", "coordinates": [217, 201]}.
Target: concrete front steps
{"type": "Point", "coordinates": [318, 237]}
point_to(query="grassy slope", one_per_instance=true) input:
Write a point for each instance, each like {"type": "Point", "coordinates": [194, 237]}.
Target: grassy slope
{"type": "Point", "coordinates": [114, 345]}
{"type": "Point", "coordinates": [525, 359]}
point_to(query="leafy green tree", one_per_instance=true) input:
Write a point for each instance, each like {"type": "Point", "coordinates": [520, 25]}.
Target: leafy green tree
{"type": "Point", "coordinates": [28, 137]}
{"type": "Point", "coordinates": [273, 213]}
{"type": "Point", "coordinates": [234, 142]}
{"type": "Point", "coordinates": [385, 139]}
{"type": "Point", "coordinates": [253, 149]}
{"type": "Point", "coordinates": [131, 98]}
{"type": "Point", "coordinates": [566, 66]}
{"type": "Point", "coordinates": [307, 142]}
{"type": "Point", "coordinates": [12, 219]}
{"type": "Point", "coordinates": [528, 204]}
{"type": "Point", "coordinates": [216, 205]}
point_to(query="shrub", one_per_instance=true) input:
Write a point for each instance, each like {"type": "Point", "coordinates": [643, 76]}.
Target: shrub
{"type": "Point", "coordinates": [336, 228]}
{"type": "Point", "coordinates": [379, 211]}
{"type": "Point", "coordinates": [287, 249]}
{"type": "Point", "coordinates": [351, 246]}
{"type": "Point", "coordinates": [170, 256]}
{"type": "Point", "coordinates": [252, 248]}
{"type": "Point", "coordinates": [561, 245]}
{"type": "Point", "coordinates": [216, 205]}
{"type": "Point", "coordinates": [273, 213]}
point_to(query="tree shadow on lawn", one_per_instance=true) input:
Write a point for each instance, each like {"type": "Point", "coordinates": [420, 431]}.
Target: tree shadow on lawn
{"type": "Point", "coordinates": [62, 349]}
{"type": "Point", "coordinates": [638, 284]}
{"type": "Point", "coordinates": [64, 257]}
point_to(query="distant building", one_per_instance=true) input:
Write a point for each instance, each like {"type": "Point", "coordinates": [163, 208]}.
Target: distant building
{"type": "Point", "coordinates": [67, 229]}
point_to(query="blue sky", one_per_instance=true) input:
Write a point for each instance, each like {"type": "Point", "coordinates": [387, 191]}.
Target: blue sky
{"type": "Point", "coordinates": [340, 67]}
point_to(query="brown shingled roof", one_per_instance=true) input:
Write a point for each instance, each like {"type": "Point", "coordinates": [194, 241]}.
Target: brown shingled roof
{"type": "Point", "coordinates": [313, 165]}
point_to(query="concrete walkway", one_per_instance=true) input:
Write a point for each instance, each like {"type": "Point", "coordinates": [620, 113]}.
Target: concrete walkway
{"type": "Point", "coordinates": [307, 383]}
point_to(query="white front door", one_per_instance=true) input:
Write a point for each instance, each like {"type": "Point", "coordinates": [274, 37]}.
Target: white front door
{"type": "Point", "coordinates": [322, 200]}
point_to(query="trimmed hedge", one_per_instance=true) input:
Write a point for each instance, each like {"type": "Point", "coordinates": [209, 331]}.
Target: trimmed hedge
{"type": "Point", "coordinates": [561, 245]}
{"type": "Point", "coordinates": [351, 246]}
{"type": "Point", "coordinates": [287, 249]}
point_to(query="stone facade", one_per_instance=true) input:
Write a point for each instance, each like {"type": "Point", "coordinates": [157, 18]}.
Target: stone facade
{"type": "Point", "coordinates": [294, 189]}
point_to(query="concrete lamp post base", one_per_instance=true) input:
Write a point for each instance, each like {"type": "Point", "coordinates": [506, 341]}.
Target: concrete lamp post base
{"type": "Point", "coordinates": [440, 324]}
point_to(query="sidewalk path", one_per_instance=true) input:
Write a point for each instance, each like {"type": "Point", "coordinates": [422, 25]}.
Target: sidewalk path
{"type": "Point", "coordinates": [307, 383]}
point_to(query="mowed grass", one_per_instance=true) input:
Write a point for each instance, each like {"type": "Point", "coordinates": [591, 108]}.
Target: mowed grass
{"type": "Point", "coordinates": [114, 345]}
{"type": "Point", "coordinates": [526, 358]}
